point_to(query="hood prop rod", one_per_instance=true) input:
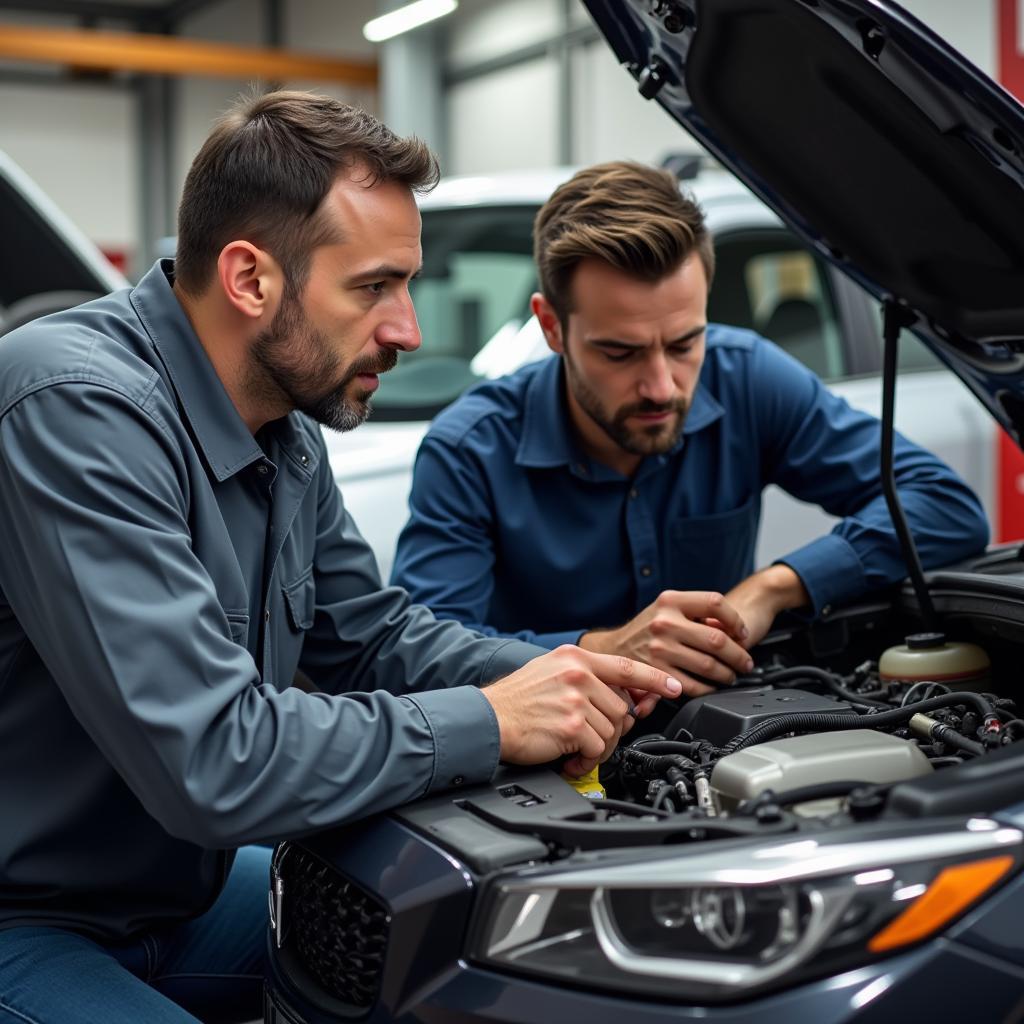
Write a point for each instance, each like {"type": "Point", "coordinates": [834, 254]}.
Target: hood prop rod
{"type": "Point", "coordinates": [895, 318]}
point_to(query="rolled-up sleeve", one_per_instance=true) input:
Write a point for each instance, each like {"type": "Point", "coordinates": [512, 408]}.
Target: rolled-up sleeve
{"type": "Point", "coordinates": [99, 570]}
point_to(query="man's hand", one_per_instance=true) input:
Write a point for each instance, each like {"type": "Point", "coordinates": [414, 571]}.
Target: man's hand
{"type": "Point", "coordinates": [572, 702]}
{"type": "Point", "coordinates": [680, 632]}
{"type": "Point", "coordinates": [759, 598]}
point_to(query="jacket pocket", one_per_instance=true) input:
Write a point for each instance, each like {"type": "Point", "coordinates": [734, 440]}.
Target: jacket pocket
{"type": "Point", "coordinates": [713, 552]}
{"type": "Point", "coordinates": [300, 601]}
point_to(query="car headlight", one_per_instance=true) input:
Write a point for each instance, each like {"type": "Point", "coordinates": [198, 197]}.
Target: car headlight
{"type": "Point", "coordinates": [729, 921]}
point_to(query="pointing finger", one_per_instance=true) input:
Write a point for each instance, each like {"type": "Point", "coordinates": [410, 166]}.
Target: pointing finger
{"type": "Point", "coordinates": [614, 670]}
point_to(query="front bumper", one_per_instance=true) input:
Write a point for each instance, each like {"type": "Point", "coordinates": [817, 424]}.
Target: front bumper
{"type": "Point", "coordinates": [943, 981]}
{"type": "Point", "coordinates": [423, 978]}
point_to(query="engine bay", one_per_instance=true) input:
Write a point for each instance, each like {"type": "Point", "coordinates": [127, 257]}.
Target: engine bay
{"type": "Point", "coordinates": [859, 718]}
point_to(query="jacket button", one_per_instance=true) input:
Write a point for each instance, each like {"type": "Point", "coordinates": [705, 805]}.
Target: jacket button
{"type": "Point", "coordinates": [304, 459]}
{"type": "Point", "coordinates": [458, 780]}
{"type": "Point", "coordinates": [646, 571]}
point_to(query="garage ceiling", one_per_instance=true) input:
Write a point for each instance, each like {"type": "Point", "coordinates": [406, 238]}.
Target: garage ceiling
{"type": "Point", "coordinates": [154, 48]}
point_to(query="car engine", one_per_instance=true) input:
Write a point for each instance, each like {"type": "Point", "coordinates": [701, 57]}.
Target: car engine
{"type": "Point", "coordinates": [816, 741]}
{"type": "Point", "coordinates": [841, 722]}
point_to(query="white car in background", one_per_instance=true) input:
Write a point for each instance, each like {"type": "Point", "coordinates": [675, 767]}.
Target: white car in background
{"type": "Point", "coordinates": [472, 303]}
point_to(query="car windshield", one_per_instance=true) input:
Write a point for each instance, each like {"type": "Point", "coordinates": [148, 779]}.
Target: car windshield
{"type": "Point", "coordinates": [476, 283]}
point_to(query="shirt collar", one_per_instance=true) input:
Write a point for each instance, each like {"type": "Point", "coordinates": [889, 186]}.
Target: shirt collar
{"type": "Point", "coordinates": [547, 439]}
{"type": "Point", "coordinates": [220, 432]}
{"type": "Point", "coordinates": [547, 434]}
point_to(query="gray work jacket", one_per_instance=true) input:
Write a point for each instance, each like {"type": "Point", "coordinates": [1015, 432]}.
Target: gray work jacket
{"type": "Point", "coordinates": [162, 578]}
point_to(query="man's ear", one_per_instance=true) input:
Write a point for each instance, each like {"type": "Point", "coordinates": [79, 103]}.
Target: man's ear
{"type": "Point", "coordinates": [549, 322]}
{"type": "Point", "coordinates": [250, 279]}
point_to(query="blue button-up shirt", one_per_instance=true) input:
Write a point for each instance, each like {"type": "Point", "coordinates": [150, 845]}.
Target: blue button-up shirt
{"type": "Point", "coordinates": [514, 530]}
{"type": "Point", "coordinates": [163, 578]}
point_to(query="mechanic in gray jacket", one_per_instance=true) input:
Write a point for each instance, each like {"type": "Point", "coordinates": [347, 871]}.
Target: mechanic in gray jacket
{"type": "Point", "coordinates": [175, 550]}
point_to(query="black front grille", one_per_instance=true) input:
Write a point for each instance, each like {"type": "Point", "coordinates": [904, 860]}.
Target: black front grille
{"type": "Point", "coordinates": [336, 930]}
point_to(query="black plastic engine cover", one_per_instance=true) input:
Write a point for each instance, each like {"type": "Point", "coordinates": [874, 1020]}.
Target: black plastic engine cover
{"type": "Point", "coordinates": [719, 717]}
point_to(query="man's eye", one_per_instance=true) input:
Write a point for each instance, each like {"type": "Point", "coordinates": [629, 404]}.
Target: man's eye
{"type": "Point", "coordinates": [617, 355]}
{"type": "Point", "coordinates": [376, 287]}
{"type": "Point", "coordinates": [679, 351]}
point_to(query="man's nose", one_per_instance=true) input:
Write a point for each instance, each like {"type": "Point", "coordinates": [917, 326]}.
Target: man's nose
{"type": "Point", "coordinates": [657, 384]}
{"type": "Point", "coordinates": [400, 328]}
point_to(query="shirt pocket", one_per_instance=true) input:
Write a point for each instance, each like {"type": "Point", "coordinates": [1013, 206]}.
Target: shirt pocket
{"type": "Point", "coordinates": [300, 601]}
{"type": "Point", "coordinates": [713, 552]}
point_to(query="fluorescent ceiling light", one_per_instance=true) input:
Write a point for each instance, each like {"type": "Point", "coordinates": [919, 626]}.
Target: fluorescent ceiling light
{"type": "Point", "coordinates": [410, 16]}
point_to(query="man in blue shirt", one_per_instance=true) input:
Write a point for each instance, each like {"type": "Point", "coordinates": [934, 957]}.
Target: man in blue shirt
{"type": "Point", "coordinates": [609, 496]}
{"type": "Point", "coordinates": [175, 554]}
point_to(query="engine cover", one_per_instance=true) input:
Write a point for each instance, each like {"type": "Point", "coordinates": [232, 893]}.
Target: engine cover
{"type": "Point", "coordinates": [719, 717]}
{"type": "Point", "coordinates": [855, 755]}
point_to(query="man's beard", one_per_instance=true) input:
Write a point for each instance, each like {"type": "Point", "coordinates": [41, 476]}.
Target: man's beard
{"type": "Point", "coordinates": [292, 358]}
{"type": "Point", "coordinates": [655, 439]}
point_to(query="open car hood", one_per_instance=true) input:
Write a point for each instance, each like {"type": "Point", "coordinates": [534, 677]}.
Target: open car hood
{"type": "Point", "coordinates": [884, 148]}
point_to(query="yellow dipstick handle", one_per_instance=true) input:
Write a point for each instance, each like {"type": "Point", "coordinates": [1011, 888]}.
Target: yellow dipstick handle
{"type": "Point", "coordinates": [588, 785]}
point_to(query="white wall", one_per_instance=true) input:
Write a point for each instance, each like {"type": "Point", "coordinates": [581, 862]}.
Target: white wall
{"type": "Point", "coordinates": [505, 120]}
{"type": "Point", "coordinates": [611, 121]}
{"type": "Point", "coordinates": [970, 25]}
{"type": "Point", "coordinates": [481, 29]}
{"type": "Point", "coordinates": [509, 118]}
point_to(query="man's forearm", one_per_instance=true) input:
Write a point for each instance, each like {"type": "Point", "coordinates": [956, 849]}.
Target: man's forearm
{"type": "Point", "coordinates": [778, 587]}
{"type": "Point", "coordinates": [762, 596]}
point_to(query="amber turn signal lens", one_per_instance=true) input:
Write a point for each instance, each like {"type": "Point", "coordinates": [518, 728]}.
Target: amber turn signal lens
{"type": "Point", "coordinates": [954, 889]}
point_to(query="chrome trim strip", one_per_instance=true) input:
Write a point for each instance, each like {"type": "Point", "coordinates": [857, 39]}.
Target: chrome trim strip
{"type": "Point", "coordinates": [777, 862]}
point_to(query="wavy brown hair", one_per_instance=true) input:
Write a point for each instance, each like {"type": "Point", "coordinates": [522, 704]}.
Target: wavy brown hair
{"type": "Point", "coordinates": [264, 171]}
{"type": "Point", "coordinates": [631, 216]}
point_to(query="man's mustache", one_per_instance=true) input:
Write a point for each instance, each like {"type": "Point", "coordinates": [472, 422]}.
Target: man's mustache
{"type": "Point", "coordinates": [647, 408]}
{"type": "Point", "coordinates": [386, 360]}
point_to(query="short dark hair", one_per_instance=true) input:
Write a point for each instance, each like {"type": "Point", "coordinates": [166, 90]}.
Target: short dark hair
{"type": "Point", "coordinates": [265, 169]}
{"type": "Point", "coordinates": [631, 216]}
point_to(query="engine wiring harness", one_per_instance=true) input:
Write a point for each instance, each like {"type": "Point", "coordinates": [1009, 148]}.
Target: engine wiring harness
{"type": "Point", "coordinates": [668, 776]}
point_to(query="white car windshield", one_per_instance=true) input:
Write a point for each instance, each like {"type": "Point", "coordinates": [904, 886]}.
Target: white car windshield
{"type": "Point", "coordinates": [477, 279]}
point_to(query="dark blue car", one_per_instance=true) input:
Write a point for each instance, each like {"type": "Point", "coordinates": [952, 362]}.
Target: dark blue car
{"type": "Point", "coordinates": [841, 835]}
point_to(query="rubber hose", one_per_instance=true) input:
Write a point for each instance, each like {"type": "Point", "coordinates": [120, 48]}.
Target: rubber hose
{"type": "Point", "coordinates": [800, 794]}
{"type": "Point", "coordinates": [820, 675]}
{"type": "Point", "coordinates": [656, 764]}
{"type": "Point", "coordinates": [666, 747]}
{"type": "Point", "coordinates": [824, 722]}
{"type": "Point", "coordinates": [948, 735]}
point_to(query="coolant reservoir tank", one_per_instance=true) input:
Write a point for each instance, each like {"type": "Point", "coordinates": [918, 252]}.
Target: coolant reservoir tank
{"type": "Point", "coordinates": [930, 656]}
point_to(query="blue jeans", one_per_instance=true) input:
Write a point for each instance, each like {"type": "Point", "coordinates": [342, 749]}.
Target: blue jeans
{"type": "Point", "coordinates": [208, 969]}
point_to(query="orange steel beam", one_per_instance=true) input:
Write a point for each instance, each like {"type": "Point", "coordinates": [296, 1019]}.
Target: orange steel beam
{"type": "Point", "coordinates": [168, 55]}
